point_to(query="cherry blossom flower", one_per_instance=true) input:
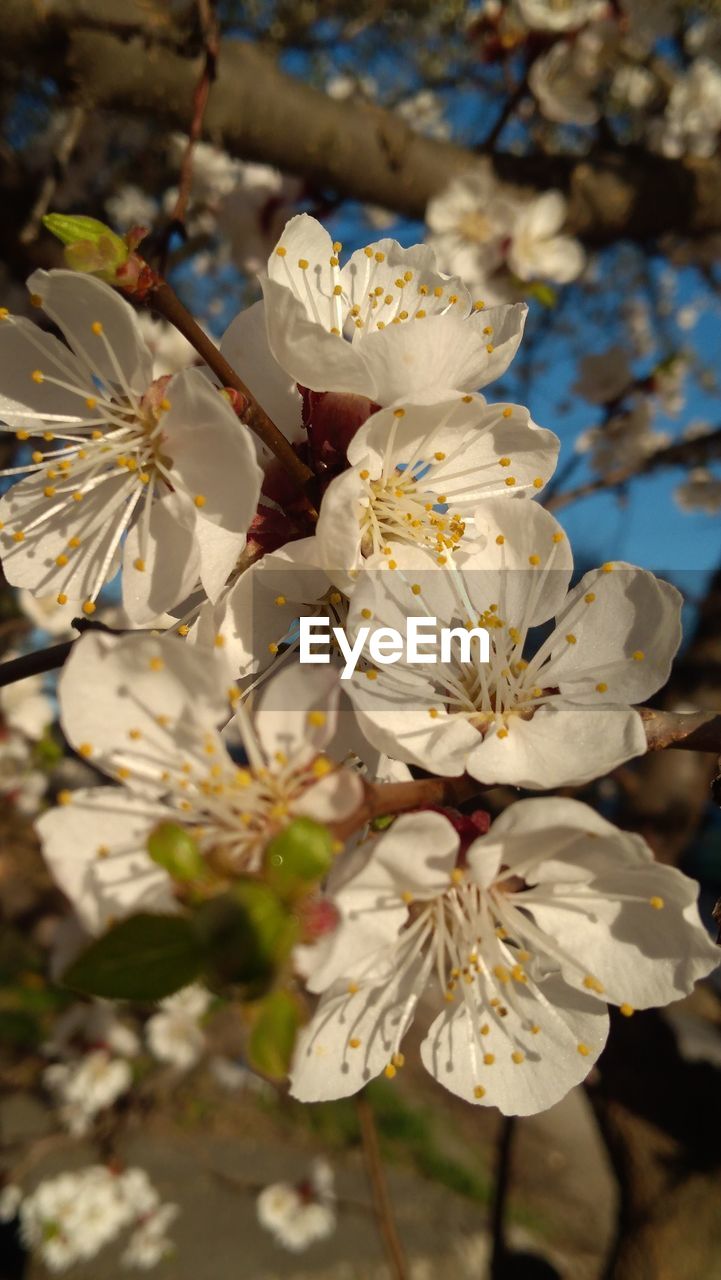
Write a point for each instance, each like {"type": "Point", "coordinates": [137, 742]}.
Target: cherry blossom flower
{"type": "Point", "coordinates": [523, 940]}
{"type": "Point", "coordinates": [146, 711]}
{"type": "Point", "coordinates": [386, 326]}
{"type": "Point", "coordinates": [484, 234]}
{"type": "Point", "coordinates": [543, 712]}
{"type": "Point", "coordinates": [165, 463]}
{"type": "Point", "coordinates": [538, 251]}
{"type": "Point", "coordinates": [625, 440]}
{"type": "Point", "coordinates": [85, 1087]}
{"type": "Point", "coordinates": [565, 80]}
{"type": "Point", "coordinates": [299, 1215]}
{"type": "Point", "coordinates": [700, 491]}
{"type": "Point", "coordinates": [68, 1219]}
{"type": "Point", "coordinates": [174, 1033]}
{"type": "Point", "coordinates": [559, 15]}
{"type": "Point", "coordinates": [417, 473]}
{"type": "Point", "coordinates": [692, 121]}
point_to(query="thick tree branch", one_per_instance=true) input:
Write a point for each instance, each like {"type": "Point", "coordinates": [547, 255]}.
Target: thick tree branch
{"type": "Point", "coordinates": [120, 56]}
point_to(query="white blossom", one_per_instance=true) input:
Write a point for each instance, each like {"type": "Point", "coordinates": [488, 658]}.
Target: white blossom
{"type": "Point", "coordinates": [692, 120]}
{"type": "Point", "coordinates": [167, 464]}
{"type": "Point", "coordinates": [522, 940]}
{"type": "Point", "coordinates": [700, 491]}
{"type": "Point", "coordinates": [87, 1086]}
{"type": "Point", "coordinates": [559, 15]}
{"type": "Point", "coordinates": [46, 614]}
{"type": "Point", "coordinates": [131, 207]}
{"type": "Point", "coordinates": [299, 1215]}
{"type": "Point", "coordinates": [146, 712]}
{"type": "Point", "coordinates": [68, 1219]}
{"type": "Point", "coordinates": [482, 233]}
{"type": "Point", "coordinates": [566, 80]}
{"type": "Point", "coordinates": [512, 720]}
{"type": "Point", "coordinates": [417, 473]}
{"type": "Point", "coordinates": [387, 325]}
{"type": "Point", "coordinates": [625, 442]}
{"type": "Point", "coordinates": [150, 1243]}
{"type": "Point", "coordinates": [174, 1034]}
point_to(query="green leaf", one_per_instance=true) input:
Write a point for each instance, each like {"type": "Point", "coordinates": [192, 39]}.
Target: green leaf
{"type": "Point", "coordinates": [298, 857]}
{"type": "Point", "coordinates": [144, 957]}
{"type": "Point", "coordinates": [272, 1039]}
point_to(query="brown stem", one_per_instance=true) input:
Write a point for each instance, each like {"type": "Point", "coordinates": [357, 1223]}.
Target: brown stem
{"type": "Point", "coordinates": [211, 42]}
{"type": "Point", "coordinates": [499, 1246]}
{"type": "Point", "coordinates": [379, 1190]}
{"type": "Point", "coordinates": [166, 302]}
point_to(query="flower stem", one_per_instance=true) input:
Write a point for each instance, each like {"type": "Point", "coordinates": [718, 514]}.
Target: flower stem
{"type": "Point", "coordinates": [379, 1189]}
{"type": "Point", "coordinates": [499, 1247]}
{"type": "Point", "coordinates": [166, 302]}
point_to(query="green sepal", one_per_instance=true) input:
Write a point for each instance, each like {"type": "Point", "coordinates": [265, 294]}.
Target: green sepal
{"type": "Point", "coordinates": [298, 857]}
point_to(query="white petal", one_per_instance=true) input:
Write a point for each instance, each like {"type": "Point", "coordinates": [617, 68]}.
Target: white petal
{"type": "Point", "coordinates": [631, 612]}
{"type": "Point", "coordinates": [563, 745]}
{"type": "Point", "coordinates": [314, 357]}
{"type": "Point", "coordinates": [77, 302]}
{"type": "Point", "coordinates": [171, 560]}
{"type": "Point", "coordinates": [95, 848]}
{"type": "Point", "coordinates": [245, 347]}
{"type": "Point", "coordinates": [642, 954]}
{"type": "Point", "coordinates": [325, 1065]}
{"type": "Point", "coordinates": [297, 712]}
{"type": "Point", "coordinates": [114, 691]}
{"type": "Point", "coordinates": [453, 1051]}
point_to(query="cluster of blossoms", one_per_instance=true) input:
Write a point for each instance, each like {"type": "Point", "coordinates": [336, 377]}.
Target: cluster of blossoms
{"type": "Point", "coordinates": [426, 491]}
{"type": "Point", "coordinates": [68, 1219]}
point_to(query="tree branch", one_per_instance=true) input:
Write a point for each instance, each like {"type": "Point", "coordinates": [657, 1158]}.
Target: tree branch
{"type": "Point", "coordinates": [119, 58]}
{"type": "Point", "coordinates": [379, 1190]}
{"type": "Point", "coordinates": [680, 453]}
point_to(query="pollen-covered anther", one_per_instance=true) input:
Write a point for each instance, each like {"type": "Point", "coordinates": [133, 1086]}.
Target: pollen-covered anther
{"type": "Point", "coordinates": [518, 1057]}
{"type": "Point", "coordinates": [37, 375]}
{"type": "Point", "coordinates": [200, 500]}
{"type": "Point", "coordinates": [593, 984]}
{"type": "Point", "coordinates": [638, 656]}
{"type": "Point", "coordinates": [97, 328]}
{"type": "Point", "coordinates": [479, 1091]}
{"type": "Point", "coordinates": [626, 1009]}
{"type": "Point", "coordinates": [317, 719]}
{"type": "Point", "coordinates": [657, 903]}
{"type": "Point", "coordinates": [89, 607]}
{"type": "Point", "coordinates": [354, 1043]}
{"type": "Point", "coordinates": [583, 1049]}
{"type": "Point", "coordinates": [139, 564]}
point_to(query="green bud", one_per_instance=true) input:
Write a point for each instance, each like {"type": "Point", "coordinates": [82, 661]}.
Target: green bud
{"type": "Point", "coordinates": [273, 1037]}
{"type": "Point", "coordinates": [299, 856]}
{"type": "Point", "coordinates": [247, 934]}
{"type": "Point", "coordinates": [175, 849]}
{"type": "Point", "coordinates": [91, 246]}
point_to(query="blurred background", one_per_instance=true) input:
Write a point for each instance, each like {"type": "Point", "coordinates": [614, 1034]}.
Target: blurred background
{"type": "Point", "coordinates": [563, 152]}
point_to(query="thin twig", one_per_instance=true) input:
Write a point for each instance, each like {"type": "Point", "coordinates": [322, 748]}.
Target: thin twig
{"type": "Point", "coordinates": [166, 302]}
{"type": "Point", "coordinates": [499, 1246]}
{"type": "Point", "coordinates": [379, 1191]}
{"type": "Point", "coordinates": [211, 47]}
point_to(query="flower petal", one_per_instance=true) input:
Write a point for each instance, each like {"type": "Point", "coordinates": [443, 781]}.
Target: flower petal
{"type": "Point", "coordinates": [78, 304]}
{"type": "Point", "coordinates": [95, 848]}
